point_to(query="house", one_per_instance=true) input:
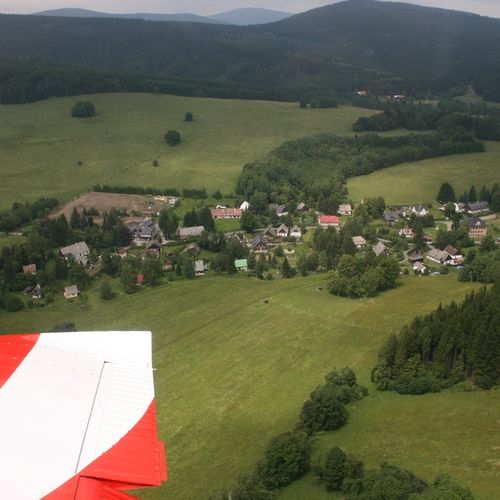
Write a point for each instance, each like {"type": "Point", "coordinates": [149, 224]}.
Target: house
{"type": "Point", "coordinates": [329, 221]}
{"type": "Point", "coordinates": [29, 269]}
{"type": "Point", "coordinates": [236, 236]}
{"type": "Point", "coordinates": [77, 252]}
{"type": "Point", "coordinates": [362, 93]}
{"type": "Point", "coordinates": [270, 232]}
{"type": "Point", "coordinates": [407, 232]}
{"type": "Point", "coordinates": [245, 205]}
{"type": "Point", "coordinates": [477, 228]}
{"type": "Point", "coordinates": [144, 231]}
{"type": "Point", "coordinates": [301, 207]}
{"type": "Point", "coordinates": [168, 265]}
{"type": "Point", "coordinates": [419, 210]}
{"type": "Point", "coordinates": [456, 257]}
{"type": "Point", "coordinates": [477, 208]}
{"type": "Point", "coordinates": [122, 252]}
{"type": "Point", "coordinates": [391, 216]}
{"type": "Point", "coordinates": [419, 267]}
{"type": "Point", "coordinates": [241, 264]}
{"type": "Point", "coordinates": [192, 249]}
{"type": "Point", "coordinates": [296, 232]}
{"type": "Point", "coordinates": [359, 242]}
{"type": "Point", "coordinates": [190, 232]}
{"type": "Point", "coordinates": [281, 210]}
{"type": "Point", "coordinates": [199, 268]}
{"type": "Point", "coordinates": [259, 244]}
{"type": "Point", "coordinates": [380, 249]}
{"type": "Point", "coordinates": [226, 213]}
{"type": "Point", "coordinates": [345, 209]}
{"type": "Point", "coordinates": [439, 256]}
{"type": "Point", "coordinates": [139, 279]}
{"type": "Point", "coordinates": [37, 292]}
{"type": "Point", "coordinates": [415, 257]}
{"type": "Point", "coordinates": [282, 231]}
{"type": "Point", "coordinates": [71, 292]}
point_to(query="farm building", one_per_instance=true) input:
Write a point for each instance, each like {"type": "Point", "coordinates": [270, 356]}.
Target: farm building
{"type": "Point", "coordinates": [77, 252]}
{"type": "Point", "coordinates": [190, 232]}
{"type": "Point", "coordinates": [477, 208]}
{"type": "Point", "coordinates": [226, 213]}
{"type": "Point", "coordinates": [329, 221]}
{"type": "Point", "coordinates": [71, 292]}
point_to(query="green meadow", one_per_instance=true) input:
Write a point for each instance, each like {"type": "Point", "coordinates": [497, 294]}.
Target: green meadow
{"type": "Point", "coordinates": [45, 152]}
{"type": "Point", "coordinates": [419, 182]}
{"type": "Point", "coordinates": [232, 371]}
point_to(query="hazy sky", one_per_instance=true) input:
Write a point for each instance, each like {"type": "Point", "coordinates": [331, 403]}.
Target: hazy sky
{"type": "Point", "coordinates": [485, 7]}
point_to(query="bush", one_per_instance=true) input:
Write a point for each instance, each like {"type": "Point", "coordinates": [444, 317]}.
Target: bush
{"type": "Point", "coordinates": [68, 326]}
{"type": "Point", "coordinates": [172, 137]}
{"type": "Point", "coordinates": [13, 303]}
{"type": "Point", "coordinates": [83, 109]}
{"type": "Point", "coordinates": [188, 117]}
{"type": "Point", "coordinates": [106, 291]}
{"type": "Point", "coordinates": [285, 460]}
{"type": "Point", "coordinates": [323, 411]}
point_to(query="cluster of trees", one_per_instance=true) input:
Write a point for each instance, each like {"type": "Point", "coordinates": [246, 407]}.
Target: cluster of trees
{"type": "Point", "coordinates": [318, 102]}
{"type": "Point", "coordinates": [315, 168]}
{"type": "Point", "coordinates": [453, 343]}
{"type": "Point", "coordinates": [450, 118]}
{"type": "Point", "coordinates": [22, 213]}
{"type": "Point", "coordinates": [202, 217]}
{"type": "Point", "coordinates": [106, 188]}
{"type": "Point", "coordinates": [482, 265]}
{"type": "Point", "coordinates": [446, 194]}
{"type": "Point", "coordinates": [287, 457]}
{"type": "Point", "coordinates": [83, 109]}
{"type": "Point", "coordinates": [363, 275]}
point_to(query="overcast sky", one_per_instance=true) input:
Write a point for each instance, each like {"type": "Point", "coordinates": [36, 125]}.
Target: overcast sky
{"type": "Point", "coordinates": [485, 7]}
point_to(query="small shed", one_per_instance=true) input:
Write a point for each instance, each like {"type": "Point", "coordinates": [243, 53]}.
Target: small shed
{"type": "Point", "coordinates": [241, 264]}
{"type": "Point", "coordinates": [71, 292]}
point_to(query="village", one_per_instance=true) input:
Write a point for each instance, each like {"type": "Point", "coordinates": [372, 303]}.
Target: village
{"type": "Point", "coordinates": [424, 240]}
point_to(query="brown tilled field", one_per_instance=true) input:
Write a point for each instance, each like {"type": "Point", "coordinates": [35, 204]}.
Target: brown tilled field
{"type": "Point", "coordinates": [103, 202]}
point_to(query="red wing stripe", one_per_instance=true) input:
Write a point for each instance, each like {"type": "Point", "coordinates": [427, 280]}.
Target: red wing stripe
{"type": "Point", "coordinates": [13, 350]}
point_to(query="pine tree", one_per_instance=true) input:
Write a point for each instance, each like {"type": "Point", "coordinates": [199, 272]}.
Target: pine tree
{"type": "Point", "coordinates": [446, 193]}
{"type": "Point", "coordinates": [472, 194]}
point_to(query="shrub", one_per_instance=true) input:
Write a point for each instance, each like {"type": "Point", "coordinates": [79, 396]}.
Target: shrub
{"type": "Point", "coordinates": [83, 109]}
{"type": "Point", "coordinates": [188, 117]}
{"type": "Point", "coordinates": [68, 326]}
{"type": "Point", "coordinates": [172, 137]}
{"type": "Point", "coordinates": [13, 303]}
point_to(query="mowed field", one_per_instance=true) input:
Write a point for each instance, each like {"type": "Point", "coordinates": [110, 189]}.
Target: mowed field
{"type": "Point", "coordinates": [41, 145]}
{"type": "Point", "coordinates": [233, 371]}
{"type": "Point", "coordinates": [419, 182]}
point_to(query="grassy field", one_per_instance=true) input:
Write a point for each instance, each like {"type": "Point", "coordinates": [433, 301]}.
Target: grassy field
{"type": "Point", "coordinates": [233, 371]}
{"type": "Point", "coordinates": [419, 182]}
{"type": "Point", "coordinates": [41, 145]}
{"type": "Point", "coordinates": [9, 240]}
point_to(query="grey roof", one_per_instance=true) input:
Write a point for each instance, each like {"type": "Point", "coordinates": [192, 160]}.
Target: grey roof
{"type": "Point", "coordinates": [439, 255]}
{"type": "Point", "coordinates": [358, 240]}
{"type": "Point", "coordinates": [258, 240]}
{"type": "Point", "coordinates": [451, 250]}
{"type": "Point", "coordinates": [379, 249]}
{"type": "Point", "coordinates": [345, 208]}
{"type": "Point", "coordinates": [71, 290]}
{"type": "Point", "coordinates": [390, 216]}
{"type": "Point", "coordinates": [475, 222]}
{"type": "Point", "coordinates": [76, 250]}
{"type": "Point", "coordinates": [415, 257]}
{"type": "Point", "coordinates": [281, 228]}
{"type": "Point", "coordinates": [419, 266]}
{"type": "Point", "coordinates": [480, 206]}
{"type": "Point", "coordinates": [301, 206]}
{"type": "Point", "coordinates": [191, 231]}
{"type": "Point", "coordinates": [280, 209]}
{"type": "Point", "coordinates": [295, 229]}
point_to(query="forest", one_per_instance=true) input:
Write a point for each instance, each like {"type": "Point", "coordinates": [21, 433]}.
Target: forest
{"type": "Point", "coordinates": [319, 51]}
{"type": "Point", "coordinates": [455, 343]}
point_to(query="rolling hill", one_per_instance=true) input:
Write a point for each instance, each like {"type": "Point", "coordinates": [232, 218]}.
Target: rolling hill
{"type": "Point", "coordinates": [389, 47]}
{"type": "Point", "coordinates": [250, 15]}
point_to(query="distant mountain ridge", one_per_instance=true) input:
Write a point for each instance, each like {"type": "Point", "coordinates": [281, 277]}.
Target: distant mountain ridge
{"type": "Point", "coordinates": [242, 17]}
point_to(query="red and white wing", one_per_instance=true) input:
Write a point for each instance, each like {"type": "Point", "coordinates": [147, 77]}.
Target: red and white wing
{"type": "Point", "coordinates": [77, 416]}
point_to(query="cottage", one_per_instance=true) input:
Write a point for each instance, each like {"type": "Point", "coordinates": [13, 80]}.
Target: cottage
{"type": "Point", "coordinates": [37, 292]}
{"type": "Point", "coordinates": [477, 228]}
{"type": "Point", "coordinates": [391, 216]}
{"type": "Point", "coordinates": [419, 267]}
{"type": "Point", "coordinates": [71, 292]}
{"type": "Point", "coordinates": [281, 210]}
{"type": "Point", "coordinates": [144, 231]}
{"type": "Point", "coordinates": [456, 257]}
{"type": "Point", "coordinates": [259, 244]}
{"type": "Point", "coordinates": [77, 252]}
{"type": "Point", "coordinates": [282, 231]}
{"type": "Point", "coordinates": [190, 232]}
{"type": "Point", "coordinates": [199, 268]}
{"type": "Point", "coordinates": [296, 232]}
{"type": "Point", "coordinates": [192, 249]}
{"type": "Point", "coordinates": [359, 242]}
{"type": "Point", "coordinates": [345, 209]}
{"type": "Point", "coordinates": [439, 256]}
{"type": "Point", "coordinates": [245, 205]}
{"type": "Point", "coordinates": [241, 264]}
{"type": "Point", "coordinates": [168, 265]}
{"type": "Point", "coordinates": [329, 221]}
{"type": "Point", "coordinates": [270, 231]}
{"type": "Point", "coordinates": [226, 213]}
{"type": "Point", "coordinates": [380, 249]}
{"type": "Point", "coordinates": [419, 210]}
{"type": "Point", "coordinates": [478, 208]}
{"type": "Point", "coordinates": [29, 269]}
{"type": "Point", "coordinates": [301, 207]}
{"type": "Point", "coordinates": [415, 257]}
{"type": "Point", "coordinates": [407, 232]}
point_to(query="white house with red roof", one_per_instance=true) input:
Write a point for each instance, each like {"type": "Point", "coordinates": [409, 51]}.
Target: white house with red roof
{"type": "Point", "coordinates": [329, 221]}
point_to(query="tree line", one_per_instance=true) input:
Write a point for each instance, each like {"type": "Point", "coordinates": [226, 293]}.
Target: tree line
{"type": "Point", "coordinates": [446, 194]}
{"type": "Point", "coordinates": [454, 343]}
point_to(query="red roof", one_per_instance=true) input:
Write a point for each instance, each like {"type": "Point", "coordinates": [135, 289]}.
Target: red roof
{"type": "Point", "coordinates": [139, 279]}
{"type": "Point", "coordinates": [220, 213]}
{"type": "Point", "coordinates": [329, 219]}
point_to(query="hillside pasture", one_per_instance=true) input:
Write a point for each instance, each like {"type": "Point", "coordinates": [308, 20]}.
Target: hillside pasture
{"type": "Point", "coordinates": [419, 182]}
{"type": "Point", "coordinates": [45, 152]}
{"type": "Point", "coordinates": [236, 357]}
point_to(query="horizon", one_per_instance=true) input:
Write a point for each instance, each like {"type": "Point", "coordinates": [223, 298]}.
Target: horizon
{"type": "Point", "coordinates": [489, 8]}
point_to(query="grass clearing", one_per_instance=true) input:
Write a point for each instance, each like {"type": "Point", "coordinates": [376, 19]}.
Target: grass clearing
{"type": "Point", "coordinates": [41, 143]}
{"type": "Point", "coordinates": [10, 239]}
{"type": "Point", "coordinates": [233, 371]}
{"type": "Point", "coordinates": [419, 182]}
